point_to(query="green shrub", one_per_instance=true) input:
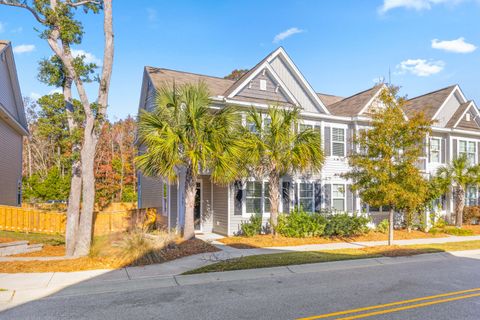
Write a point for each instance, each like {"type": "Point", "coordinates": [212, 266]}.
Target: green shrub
{"type": "Point", "coordinates": [383, 226]}
{"type": "Point", "coordinates": [253, 226]}
{"type": "Point", "coordinates": [301, 224]}
{"type": "Point", "coordinates": [440, 223]}
{"type": "Point", "coordinates": [344, 225]}
{"type": "Point", "coordinates": [454, 231]}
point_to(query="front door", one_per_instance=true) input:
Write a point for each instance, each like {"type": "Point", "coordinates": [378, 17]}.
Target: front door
{"type": "Point", "coordinates": [197, 211]}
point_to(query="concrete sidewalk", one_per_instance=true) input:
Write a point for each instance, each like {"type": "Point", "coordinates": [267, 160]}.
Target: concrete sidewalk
{"type": "Point", "coordinates": [24, 287]}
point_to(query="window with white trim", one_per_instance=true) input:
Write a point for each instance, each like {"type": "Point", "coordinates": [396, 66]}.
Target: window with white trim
{"type": "Point", "coordinates": [253, 197]}
{"type": "Point", "coordinates": [306, 196]}
{"type": "Point", "coordinates": [338, 197]}
{"type": "Point", "coordinates": [434, 150]}
{"type": "Point", "coordinates": [471, 196]}
{"type": "Point", "coordinates": [257, 197]}
{"type": "Point", "coordinates": [468, 148]}
{"type": "Point", "coordinates": [338, 142]}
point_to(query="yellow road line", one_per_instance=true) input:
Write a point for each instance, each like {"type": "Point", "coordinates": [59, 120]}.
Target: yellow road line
{"type": "Point", "coordinates": [419, 305]}
{"type": "Point", "coordinates": [339, 313]}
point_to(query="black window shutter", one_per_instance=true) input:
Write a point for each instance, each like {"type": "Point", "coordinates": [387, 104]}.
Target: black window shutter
{"type": "Point", "coordinates": [318, 197]}
{"type": "Point", "coordinates": [286, 185]}
{"type": "Point", "coordinates": [238, 198]}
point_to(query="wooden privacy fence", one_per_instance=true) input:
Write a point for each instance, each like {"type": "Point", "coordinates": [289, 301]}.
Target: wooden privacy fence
{"type": "Point", "coordinates": [40, 221]}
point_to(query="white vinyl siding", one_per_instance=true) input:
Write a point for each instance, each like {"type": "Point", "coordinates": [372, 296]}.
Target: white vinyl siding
{"type": "Point", "coordinates": [338, 142]}
{"type": "Point", "coordinates": [338, 197]}
{"type": "Point", "coordinates": [435, 149]}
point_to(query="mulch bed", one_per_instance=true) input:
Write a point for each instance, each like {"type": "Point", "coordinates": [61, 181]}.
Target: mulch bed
{"type": "Point", "coordinates": [262, 241]}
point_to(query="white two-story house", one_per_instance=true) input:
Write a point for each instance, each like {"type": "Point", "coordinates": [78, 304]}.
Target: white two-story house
{"type": "Point", "coordinates": [276, 80]}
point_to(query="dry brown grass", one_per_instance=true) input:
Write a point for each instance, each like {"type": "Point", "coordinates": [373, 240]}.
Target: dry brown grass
{"type": "Point", "coordinates": [474, 227]}
{"type": "Point", "coordinates": [178, 250]}
{"type": "Point", "coordinates": [47, 251]}
{"type": "Point", "coordinates": [262, 241]}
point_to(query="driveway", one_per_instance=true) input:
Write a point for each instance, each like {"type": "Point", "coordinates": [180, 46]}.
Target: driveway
{"type": "Point", "coordinates": [438, 286]}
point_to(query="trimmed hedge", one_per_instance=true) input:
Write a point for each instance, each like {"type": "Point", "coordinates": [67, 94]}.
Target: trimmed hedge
{"type": "Point", "coordinates": [301, 224]}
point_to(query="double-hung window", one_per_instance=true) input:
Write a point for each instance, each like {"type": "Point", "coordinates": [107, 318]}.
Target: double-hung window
{"type": "Point", "coordinates": [257, 197]}
{"type": "Point", "coordinates": [467, 148]}
{"type": "Point", "coordinates": [434, 150]}
{"type": "Point", "coordinates": [471, 196]}
{"type": "Point", "coordinates": [338, 142]}
{"type": "Point", "coordinates": [338, 197]}
{"type": "Point", "coordinates": [306, 196]}
{"type": "Point", "coordinates": [253, 197]}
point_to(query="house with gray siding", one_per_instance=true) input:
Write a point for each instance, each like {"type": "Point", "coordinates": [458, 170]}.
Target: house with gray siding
{"type": "Point", "coordinates": [276, 80]}
{"type": "Point", "coordinates": [13, 126]}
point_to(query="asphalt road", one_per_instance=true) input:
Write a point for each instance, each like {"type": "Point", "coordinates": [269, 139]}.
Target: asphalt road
{"type": "Point", "coordinates": [438, 289]}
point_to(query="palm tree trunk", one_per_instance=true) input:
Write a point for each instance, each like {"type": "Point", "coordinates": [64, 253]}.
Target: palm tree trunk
{"type": "Point", "coordinates": [459, 205]}
{"type": "Point", "coordinates": [390, 227]}
{"type": "Point", "coordinates": [274, 195]}
{"type": "Point", "coordinates": [190, 191]}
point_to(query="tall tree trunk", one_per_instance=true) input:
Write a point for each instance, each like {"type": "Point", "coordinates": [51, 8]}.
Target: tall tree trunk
{"type": "Point", "coordinates": [390, 227]}
{"type": "Point", "coordinates": [190, 191]}
{"type": "Point", "coordinates": [84, 239]}
{"type": "Point", "coordinates": [274, 195]}
{"type": "Point", "coordinates": [459, 205]}
{"type": "Point", "coordinates": [73, 207]}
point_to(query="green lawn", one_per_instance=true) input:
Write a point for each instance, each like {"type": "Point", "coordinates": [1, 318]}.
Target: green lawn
{"type": "Point", "coordinates": [47, 239]}
{"type": "Point", "coordinates": [291, 258]}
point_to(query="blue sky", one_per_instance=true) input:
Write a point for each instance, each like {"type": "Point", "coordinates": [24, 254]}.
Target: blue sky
{"type": "Point", "coordinates": [340, 46]}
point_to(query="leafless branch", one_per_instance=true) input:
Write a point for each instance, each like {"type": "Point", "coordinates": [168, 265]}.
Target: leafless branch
{"type": "Point", "coordinates": [24, 6]}
{"type": "Point", "coordinates": [81, 3]}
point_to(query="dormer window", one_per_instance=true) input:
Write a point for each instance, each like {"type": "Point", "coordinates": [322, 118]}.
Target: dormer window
{"type": "Point", "coordinates": [263, 85]}
{"type": "Point", "coordinates": [467, 117]}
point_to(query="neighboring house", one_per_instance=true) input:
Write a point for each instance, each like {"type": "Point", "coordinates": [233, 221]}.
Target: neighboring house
{"type": "Point", "coordinates": [277, 81]}
{"type": "Point", "coordinates": [13, 126]}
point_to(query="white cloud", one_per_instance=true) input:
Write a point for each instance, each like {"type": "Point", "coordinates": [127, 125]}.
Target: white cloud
{"type": "Point", "coordinates": [287, 33]}
{"type": "Point", "coordinates": [89, 57]}
{"type": "Point", "coordinates": [420, 67]}
{"type": "Point", "coordinates": [2, 27]}
{"type": "Point", "coordinates": [23, 48]}
{"type": "Point", "coordinates": [417, 5]}
{"type": "Point", "coordinates": [458, 45]}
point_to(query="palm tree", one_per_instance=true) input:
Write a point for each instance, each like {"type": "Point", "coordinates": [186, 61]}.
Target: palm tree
{"type": "Point", "coordinates": [183, 134]}
{"type": "Point", "coordinates": [460, 174]}
{"type": "Point", "coordinates": [275, 147]}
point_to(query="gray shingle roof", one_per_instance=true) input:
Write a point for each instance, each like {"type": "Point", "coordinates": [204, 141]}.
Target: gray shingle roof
{"type": "Point", "coordinates": [351, 106]}
{"type": "Point", "coordinates": [428, 103]}
{"type": "Point", "coordinates": [329, 99]}
{"type": "Point", "coordinates": [161, 77]}
{"type": "Point", "coordinates": [458, 113]}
